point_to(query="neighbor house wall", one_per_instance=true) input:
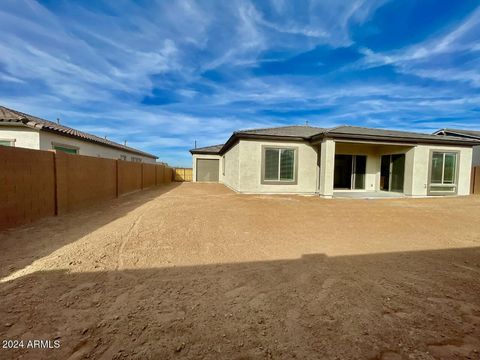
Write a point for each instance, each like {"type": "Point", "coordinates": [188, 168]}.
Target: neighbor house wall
{"type": "Point", "coordinates": [421, 167]}
{"type": "Point", "coordinates": [251, 168]}
{"type": "Point", "coordinates": [23, 137]}
{"type": "Point", "coordinates": [207, 156]}
{"type": "Point", "coordinates": [47, 139]}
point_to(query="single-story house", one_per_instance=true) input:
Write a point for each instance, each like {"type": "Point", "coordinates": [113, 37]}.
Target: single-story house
{"type": "Point", "coordinates": [312, 160]}
{"type": "Point", "coordinates": [26, 131]}
{"type": "Point", "coordinates": [466, 134]}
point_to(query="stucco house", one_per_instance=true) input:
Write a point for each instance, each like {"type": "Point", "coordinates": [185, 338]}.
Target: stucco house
{"type": "Point", "coordinates": [26, 131]}
{"type": "Point", "coordinates": [466, 134]}
{"type": "Point", "coordinates": [344, 159]}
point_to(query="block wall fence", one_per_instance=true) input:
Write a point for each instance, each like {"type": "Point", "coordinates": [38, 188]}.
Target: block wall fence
{"type": "Point", "coordinates": [36, 184]}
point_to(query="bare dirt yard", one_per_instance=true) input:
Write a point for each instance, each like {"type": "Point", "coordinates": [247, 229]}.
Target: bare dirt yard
{"type": "Point", "coordinates": [195, 271]}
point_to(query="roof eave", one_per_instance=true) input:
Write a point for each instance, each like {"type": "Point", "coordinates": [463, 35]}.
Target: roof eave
{"type": "Point", "coordinates": [200, 152]}
{"type": "Point", "coordinates": [440, 140]}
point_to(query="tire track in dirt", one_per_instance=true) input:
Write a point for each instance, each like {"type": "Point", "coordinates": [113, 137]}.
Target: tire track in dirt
{"type": "Point", "coordinates": [126, 238]}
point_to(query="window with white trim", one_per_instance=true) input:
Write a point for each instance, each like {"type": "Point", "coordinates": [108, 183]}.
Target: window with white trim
{"type": "Point", "coordinates": [443, 172]}
{"type": "Point", "coordinates": [66, 149]}
{"type": "Point", "coordinates": [7, 142]}
{"type": "Point", "coordinates": [279, 164]}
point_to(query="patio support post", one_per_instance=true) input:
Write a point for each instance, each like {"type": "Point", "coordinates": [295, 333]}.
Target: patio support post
{"type": "Point", "coordinates": [327, 164]}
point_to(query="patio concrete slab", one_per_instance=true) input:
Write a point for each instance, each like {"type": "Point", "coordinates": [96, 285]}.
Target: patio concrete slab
{"type": "Point", "coordinates": [367, 195]}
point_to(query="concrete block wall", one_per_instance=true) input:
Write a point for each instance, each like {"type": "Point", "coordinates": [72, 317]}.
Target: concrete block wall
{"type": "Point", "coordinates": [148, 176]}
{"type": "Point", "coordinates": [27, 186]}
{"type": "Point", "coordinates": [129, 177]}
{"type": "Point", "coordinates": [36, 184]}
{"type": "Point", "coordinates": [83, 181]}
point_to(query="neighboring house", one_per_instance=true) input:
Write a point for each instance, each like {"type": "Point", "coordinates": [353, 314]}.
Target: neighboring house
{"type": "Point", "coordinates": [311, 160]}
{"type": "Point", "coordinates": [466, 134]}
{"type": "Point", "coordinates": [27, 131]}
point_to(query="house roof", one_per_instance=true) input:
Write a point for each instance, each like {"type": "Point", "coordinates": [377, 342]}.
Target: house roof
{"type": "Point", "coordinates": [12, 116]}
{"type": "Point", "coordinates": [301, 131]}
{"type": "Point", "coordinates": [313, 134]}
{"type": "Point", "coordinates": [474, 134]}
{"type": "Point", "coordinates": [214, 149]}
{"type": "Point", "coordinates": [364, 133]}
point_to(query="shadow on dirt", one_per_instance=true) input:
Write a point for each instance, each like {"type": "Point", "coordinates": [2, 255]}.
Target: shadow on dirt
{"type": "Point", "coordinates": [17, 251]}
{"type": "Point", "coordinates": [349, 307]}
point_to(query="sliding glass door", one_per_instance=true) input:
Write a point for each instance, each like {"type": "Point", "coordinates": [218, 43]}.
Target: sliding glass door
{"type": "Point", "coordinates": [392, 172]}
{"type": "Point", "coordinates": [349, 172]}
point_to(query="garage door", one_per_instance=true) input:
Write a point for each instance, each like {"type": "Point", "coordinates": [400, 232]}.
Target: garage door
{"type": "Point", "coordinates": [207, 170]}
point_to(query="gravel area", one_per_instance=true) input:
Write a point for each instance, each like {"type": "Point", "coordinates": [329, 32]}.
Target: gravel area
{"type": "Point", "coordinates": [195, 271]}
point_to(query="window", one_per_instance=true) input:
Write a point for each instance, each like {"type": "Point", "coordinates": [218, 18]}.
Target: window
{"type": "Point", "coordinates": [66, 149]}
{"type": "Point", "coordinates": [443, 172]}
{"type": "Point", "coordinates": [279, 165]}
{"type": "Point", "coordinates": [136, 159]}
{"type": "Point", "coordinates": [7, 142]}
{"type": "Point", "coordinates": [123, 157]}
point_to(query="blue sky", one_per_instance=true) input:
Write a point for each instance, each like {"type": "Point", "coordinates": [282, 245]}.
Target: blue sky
{"type": "Point", "coordinates": [162, 74]}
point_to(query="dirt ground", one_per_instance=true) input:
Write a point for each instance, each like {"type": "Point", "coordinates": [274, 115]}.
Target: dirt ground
{"type": "Point", "coordinates": [195, 271]}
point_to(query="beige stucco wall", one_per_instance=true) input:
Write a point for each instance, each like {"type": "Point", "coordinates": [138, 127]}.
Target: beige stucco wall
{"type": "Point", "coordinates": [231, 163]}
{"type": "Point", "coordinates": [251, 168]}
{"type": "Point", "coordinates": [243, 166]}
{"type": "Point", "coordinates": [327, 167]}
{"type": "Point", "coordinates": [87, 148]}
{"type": "Point", "coordinates": [24, 137]}
{"type": "Point", "coordinates": [421, 163]}
{"type": "Point", "coordinates": [199, 156]}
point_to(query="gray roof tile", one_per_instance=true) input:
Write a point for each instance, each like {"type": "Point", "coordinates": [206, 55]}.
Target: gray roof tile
{"type": "Point", "coordinates": [214, 149]}
{"type": "Point", "coordinates": [302, 131]}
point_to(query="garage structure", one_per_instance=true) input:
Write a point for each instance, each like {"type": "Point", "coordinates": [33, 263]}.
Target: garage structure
{"type": "Point", "coordinates": [207, 170]}
{"type": "Point", "coordinates": [206, 164]}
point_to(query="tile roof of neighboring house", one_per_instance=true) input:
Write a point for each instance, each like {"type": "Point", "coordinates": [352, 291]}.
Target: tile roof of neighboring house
{"type": "Point", "coordinates": [214, 149]}
{"type": "Point", "coordinates": [13, 116]}
{"type": "Point", "coordinates": [475, 134]}
{"type": "Point", "coordinates": [310, 133]}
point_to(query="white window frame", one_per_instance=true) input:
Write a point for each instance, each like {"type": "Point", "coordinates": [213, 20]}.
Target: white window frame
{"type": "Point", "coordinates": [11, 141]}
{"type": "Point", "coordinates": [442, 184]}
{"type": "Point", "coordinates": [71, 147]}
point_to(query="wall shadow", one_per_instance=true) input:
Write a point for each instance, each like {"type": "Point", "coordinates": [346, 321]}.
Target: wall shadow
{"type": "Point", "coordinates": [422, 305]}
{"type": "Point", "coordinates": [49, 234]}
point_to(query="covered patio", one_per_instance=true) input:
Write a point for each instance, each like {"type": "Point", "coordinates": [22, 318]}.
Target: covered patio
{"type": "Point", "coordinates": [365, 169]}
